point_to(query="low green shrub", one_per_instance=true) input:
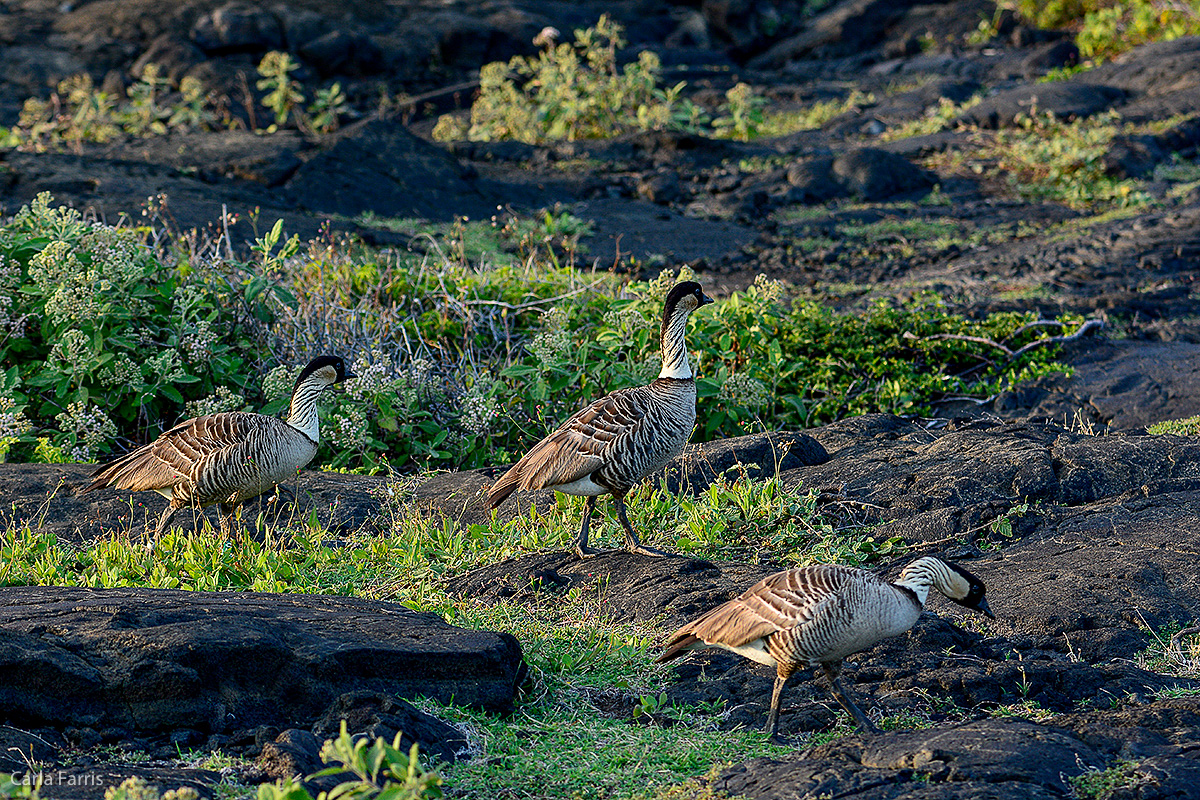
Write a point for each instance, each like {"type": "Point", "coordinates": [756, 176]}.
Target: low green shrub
{"type": "Point", "coordinates": [1046, 158]}
{"type": "Point", "coordinates": [1105, 28]}
{"type": "Point", "coordinates": [1189, 426]}
{"type": "Point", "coordinates": [102, 341]}
{"type": "Point", "coordinates": [78, 111]}
{"type": "Point", "coordinates": [1100, 784]}
{"type": "Point", "coordinates": [1111, 30]}
{"type": "Point", "coordinates": [99, 340]}
{"type": "Point", "coordinates": [375, 770]}
{"type": "Point", "coordinates": [573, 91]}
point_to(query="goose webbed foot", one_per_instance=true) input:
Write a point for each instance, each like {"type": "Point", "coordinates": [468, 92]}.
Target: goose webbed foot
{"type": "Point", "coordinates": [583, 551]}
{"type": "Point", "coordinates": [641, 549]}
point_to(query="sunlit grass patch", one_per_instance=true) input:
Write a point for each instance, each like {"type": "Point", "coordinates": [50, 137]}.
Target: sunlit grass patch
{"type": "Point", "coordinates": [1189, 426]}
{"type": "Point", "coordinates": [1173, 650]}
{"type": "Point", "coordinates": [557, 748]}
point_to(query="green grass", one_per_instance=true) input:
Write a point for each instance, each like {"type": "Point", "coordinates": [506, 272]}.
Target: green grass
{"type": "Point", "coordinates": [594, 720]}
{"type": "Point", "coordinates": [559, 743]}
{"type": "Point", "coordinates": [418, 551]}
{"type": "Point", "coordinates": [881, 231]}
{"type": "Point", "coordinates": [1189, 426]}
{"type": "Point", "coordinates": [1167, 655]}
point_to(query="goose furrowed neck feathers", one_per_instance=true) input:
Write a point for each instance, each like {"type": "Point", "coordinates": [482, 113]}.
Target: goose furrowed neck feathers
{"type": "Point", "coordinates": [302, 412]}
{"type": "Point", "coordinates": [616, 441]}
{"type": "Point", "coordinates": [226, 458]}
{"type": "Point", "coordinates": [817, 615]}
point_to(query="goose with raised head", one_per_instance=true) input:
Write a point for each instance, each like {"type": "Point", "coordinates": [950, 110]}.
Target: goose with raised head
{"type": "Point", "coordinates": [225, 459]}
{"type": "Point", "coordinates": [616, 441]}
{"type": "Point", "coordinates": [817, 615]}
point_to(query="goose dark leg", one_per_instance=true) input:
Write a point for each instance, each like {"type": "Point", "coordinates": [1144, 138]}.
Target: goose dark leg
{"type": "Point", "coordinates": [225, 513]}
{"type": "Point", "coordinates": [781, 678]}
{"type": "Point", "coordinates": [581, 544]}
{"type": "Point", "coordinates": [163, 522]}
{"type": "Point", "coordinates": [631, 540]}
{"type": "Point", "coordinates": [832, 671]}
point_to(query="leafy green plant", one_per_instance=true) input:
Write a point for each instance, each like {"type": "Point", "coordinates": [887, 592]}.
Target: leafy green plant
{"type": "Point", "coordinates": [79, 112]}
{"type": "Point", "coordinates": [1189, 426]}
{"type": "Point", "coordinates": [575, 91]}
{"type": "Point", "coordinates": [743, 118]}
{"type": "Point", "coordinates": [1097, 784]}
{"type": "Point", "coordinates": [284, 93]}
{"type": "Point", "coordinates": [1106, 28]}
{"type": "Point", "coordinates": [936, 118]}
{"type": "Point", "coordinates": [648, 705]}
{"type": "Point", "coordinates": [1109, 31]}
{"type": "Point", "coordinates": [143, 114]}
{"type": "Point", "coordinates": [1173, 651]}
{"type": "Point", "coordinates": [103, 341]}
{"type": "Point", "coordinates": [328, 105]}
{"type": "Point", "coordinates": [15, 787]}
{"type": "Point", "coordinates": [780, 123]}
{"type": "Point", "coordinates": [136, 788]}
{"type": "Point", "coordinates": [376, 770]}
{"type": "Point", "coordinates": [1047, 158]}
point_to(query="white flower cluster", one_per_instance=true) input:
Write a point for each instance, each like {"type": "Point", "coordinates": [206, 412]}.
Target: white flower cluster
{"type": "Point", "coordinates": [478, 408]}
{"type": "Point", "coordinates": [196, 344]}
{"type": "Point", "coordinates": [740, 389]}
{"type": "Point", "coordinates": [166, 366]}
{"type": "Point", "coordinates": [75, 348]}
{"type": "Point", "coordinates": [69, 286]}
{"type": "Point", "coordinates": [649, 367]}
{"type": "Point", "coordinates": [280, 382]}
{"type": "Point", "coordinates": [347, 428]}
{"type": "Point", "coordinates": [10, 279]}
{"type": "Point", "coordinates": [119, 260]}
{"type": "Point", "coordinates": [374, 373]}
{"type": "Point", "coordinates": [627, 321]}
{"type": "Point", "coordinates": [420, 373]}
{"type": "Point", "coordinates": [553, 341]}
{"type": "Point", "coordinates": [120, 370]}
{"type": "Point", "coordinates": [13, 423]}
{"type": "Point", "coordinates": [770, 290]}
{"type": "Point", "coordinates": [223, 399]}
{"type": "Point", "coordinates": [105, 261]}
{"type": "Point", "coordinates": [657, 288]}
{"type": "Point", "coordinates": [90, 426]}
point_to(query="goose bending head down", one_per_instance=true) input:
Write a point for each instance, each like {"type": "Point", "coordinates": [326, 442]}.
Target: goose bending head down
{"type": "Point", "coordinates": [816, 616]}
{"type": "Point", "coordinates": [227, 458]}
{"type": "Point", "coordinates": [612, 444]}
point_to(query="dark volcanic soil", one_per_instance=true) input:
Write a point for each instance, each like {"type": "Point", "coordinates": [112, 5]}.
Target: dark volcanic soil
{"type": "Point", "coordinates": [1103, 552]}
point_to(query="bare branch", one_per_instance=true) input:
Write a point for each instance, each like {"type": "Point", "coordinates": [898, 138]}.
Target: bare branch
{"type": "Point", "coordinates": [1085, 328]}
{"type": "Point", "coordinates": [1081, 331]}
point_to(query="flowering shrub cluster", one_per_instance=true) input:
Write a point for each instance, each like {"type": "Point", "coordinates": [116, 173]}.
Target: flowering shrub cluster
{"type": "Point", "coordinates": [457, 365]}
{"type": "Point", "coordinates": [99, 339]}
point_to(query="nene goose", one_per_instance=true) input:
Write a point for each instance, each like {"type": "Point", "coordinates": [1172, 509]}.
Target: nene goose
{"type": "Point", "coordinates": [818, 615]}
{"type": "Point", "coordinates": [226, 458]}
{"type": "Point", "coordinates": [609, 446]}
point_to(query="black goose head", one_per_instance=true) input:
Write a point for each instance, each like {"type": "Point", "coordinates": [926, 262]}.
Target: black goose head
{"type": "Point", "coordinates": [687, 295]}
{"type": "Point", "coordinates": [330, 368]}
{"type": "Point", "coordinates": [974, 598]}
